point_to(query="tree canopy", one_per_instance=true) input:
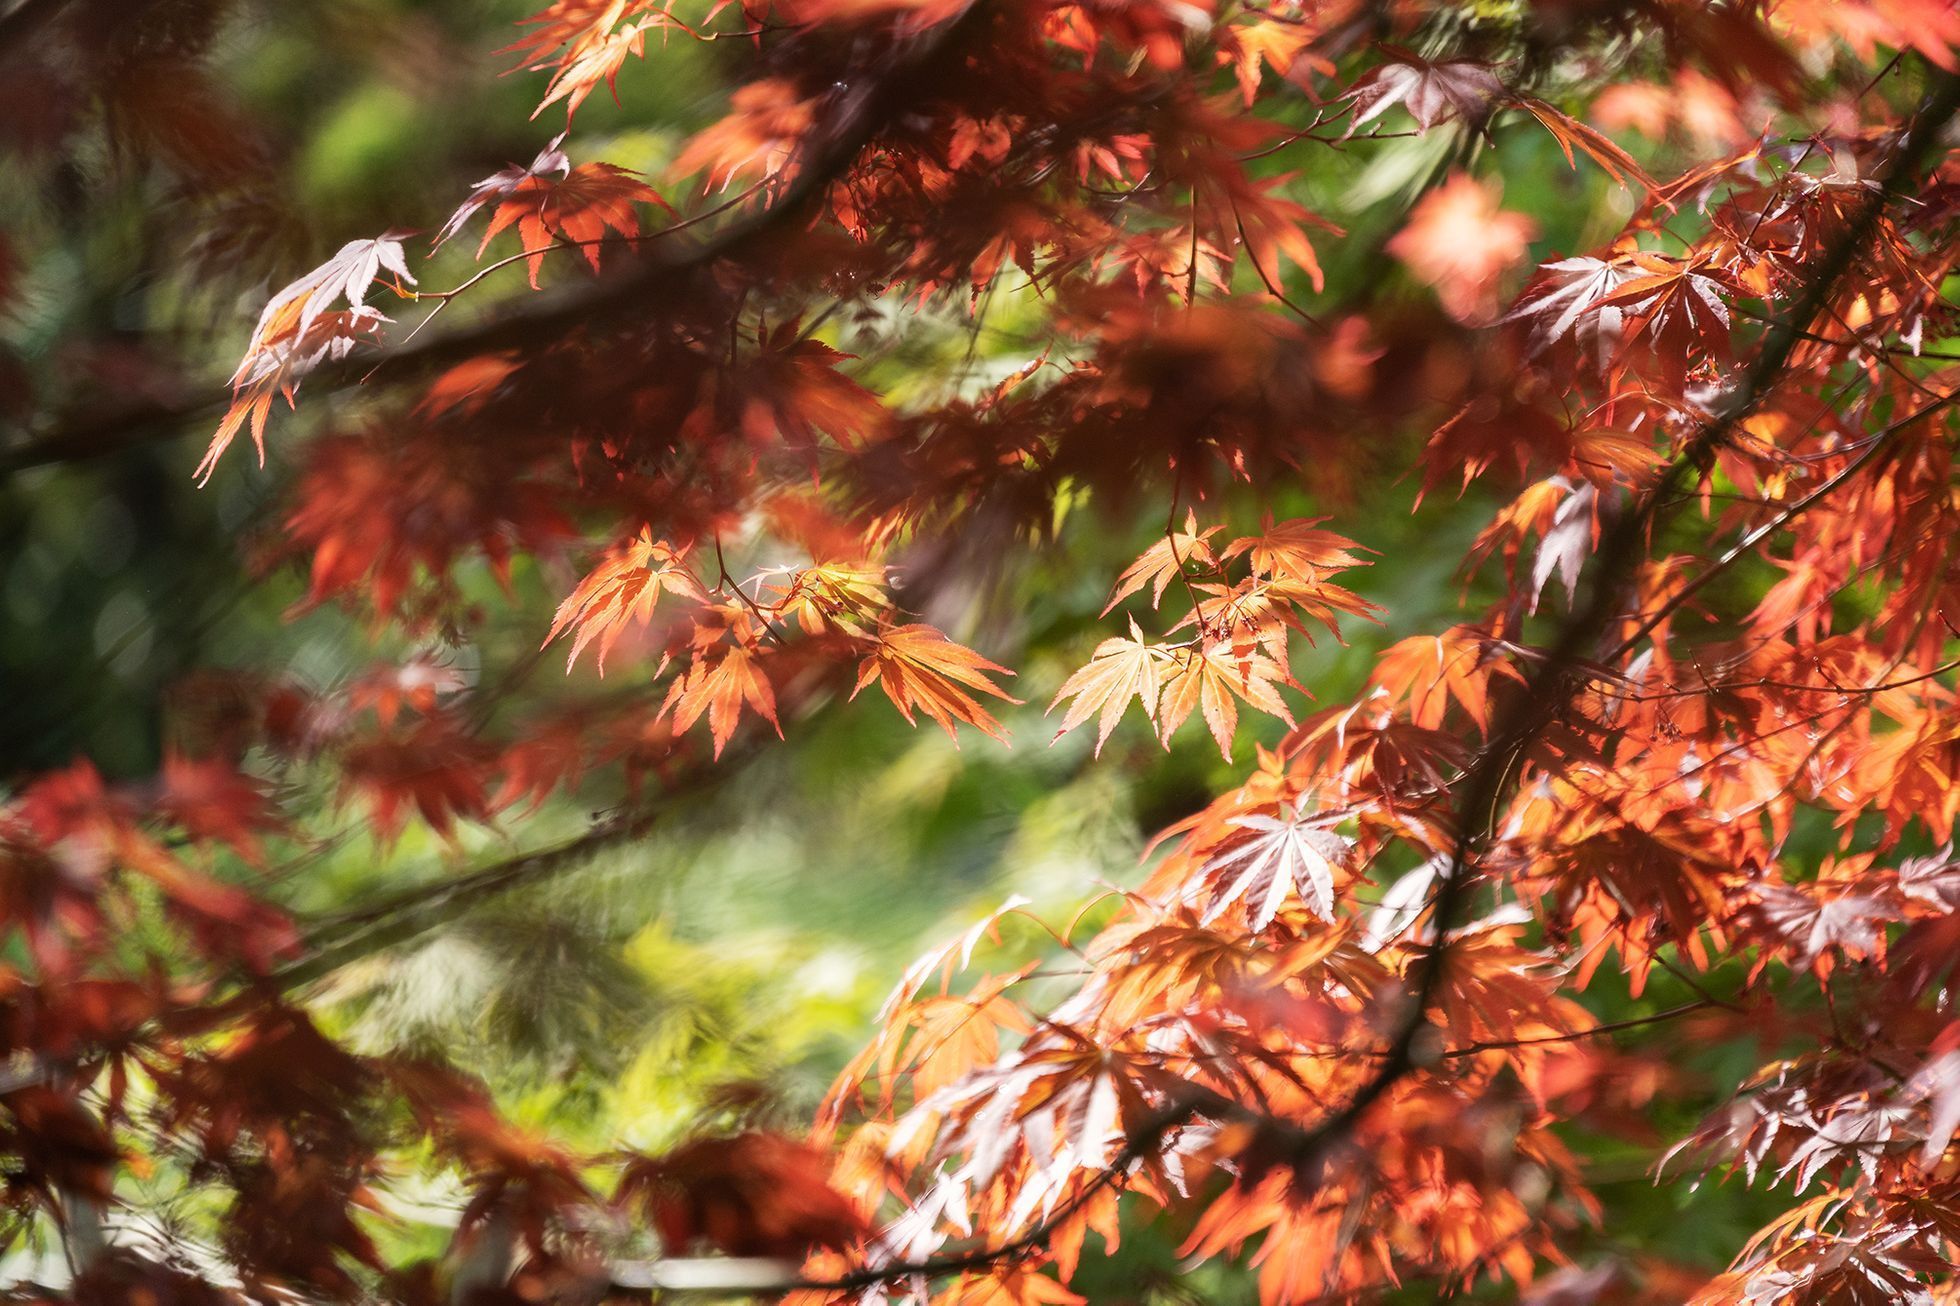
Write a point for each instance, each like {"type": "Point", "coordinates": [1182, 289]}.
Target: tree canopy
{"type": "Point", "coordinates": [980, 651]}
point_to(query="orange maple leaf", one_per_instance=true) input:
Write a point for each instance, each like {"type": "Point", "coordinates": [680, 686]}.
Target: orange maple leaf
{"type": "Point", "coordinates": [1165, 560]}
{"type": "Point", "coordinates": [584, 43]}
{"type": "Point", "coordinates": [1118, 671]}
{"type": "Point", "coordinates": [921, 670]}
{"type": "Point", "coordinates": [720, 688]}
{"type": "Point", "coordinates": [623, 589]}
{"type": "Point", "coordinates": [1212, 679]}
{"type": "Point", "coordinates": [578, 208]}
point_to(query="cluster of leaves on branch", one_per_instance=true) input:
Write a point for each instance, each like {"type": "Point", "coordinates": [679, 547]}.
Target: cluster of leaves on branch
{"type": "Point", "coordinates": [1340, 1030]}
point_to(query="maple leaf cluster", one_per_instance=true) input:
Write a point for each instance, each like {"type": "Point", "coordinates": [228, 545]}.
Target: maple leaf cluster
{"type": "Point", "coordinates": [1344, 1028]}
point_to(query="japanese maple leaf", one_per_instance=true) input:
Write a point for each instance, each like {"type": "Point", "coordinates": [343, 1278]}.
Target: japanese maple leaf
{"type": "Point", "coordinates": [1570, 132]}
{"type": "Point", "coordinates": [274, 369]}
{"type": "Point", "coordinates": [592, 199]}
{"type": "Point", "coordinates": [1876, 1267]}
{"type": "Point", "coordinates": [1274, 42]}
{"type": "Point", "coordinates": [1380, 752]}
{"type": "Point", "coordinates": [793, 390]}
{"type": "Point", "coordinates": [1929, 949]}
{"type": "Point", "coordinates": [1492, 988]}
{"type": "Point", "coordinates": [1909, 773]}
{"type": "Point", "coordinates": [1431, 92]}
{"type": "Point", "coordinates": [847, 596]}
{"type": "Point", "coordinates": [53, 898]}
{"type": "Point", "coordinates": [1164, 561]}
{"type": "Point", "coordinates": [296, 332]}
{"type": "Point", "coordinates": [1271, 225]}
{"type": "Point", "coordinates": [1212, 679]}
{"type": "Point", "coordinates": [348, 275]}
{"type": "Point", "coordinates": [1295, 550]}
{"type": "Point", "coordinates": [550, 756]}
{"type": "Point", "coordinates": [1460, 241]}
{"type": "Point", "coordinates": [1676, 307]}
{"type": "Point", "coordinates": [1932, 880]}
{"type": "Point", "coordinates": [921, 670]}
{"type": "Point", "coordinates": [416, 684]}
{"type": "Point", "coordinates": [1937, 1085]}
{"type": "Point", "coordinates": [938, 1039]}
{"type": "Point", "coordinates": [1606, 456]}
{"type": "Point", "coordinates": [1008, 1285]}
{"type": "Point", "coordinates": [212, 801]}
{"type": "Point", "coordinates": [1429, 671]}
{"type": "Point", "coordinates": [1068, 1098]}
{"type": "Point", "coordinates": [620, 590]}
{"type": "Point", "coordinates": [1930, 26]}
{"type": "Point", "coordinates": [577, 208]}
{"type": "Point", "coordinates": [1294, 853]}
{"type": "Point", "coordinates": [949, 958]}
{"type": "Point", "coordinates": [719, 687]}
{"type": "Point", "coordinates": [1252, 613]}
{"type": "Point", "coordinates": [1855, 1131]}
{"type": "Point", "coordinates": [1568, 542]}
{"type": "Point", "coordinates": [1810, 923]}
{"type": "Point", "coordinates": [1163, 257]}
{"type": "Point", "coordinates": [498, 186]}
{"type": "Point", "coordinates": [752, 1194]}
{"type": "Point", "coordinates": [1118, 671]}
{"type": "Point", "coordinates": [766, 122]}
{"type": "Point", "coordinates": [433, 767]}
{"type": "Point", "coordinates": [388, 512]}
{"type": "Point", "coordinates": [988, 140]}
{"type": "Point", "coordinates": [584, 43]}
{"type": "Point", "coordinates": [1568, 299]}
